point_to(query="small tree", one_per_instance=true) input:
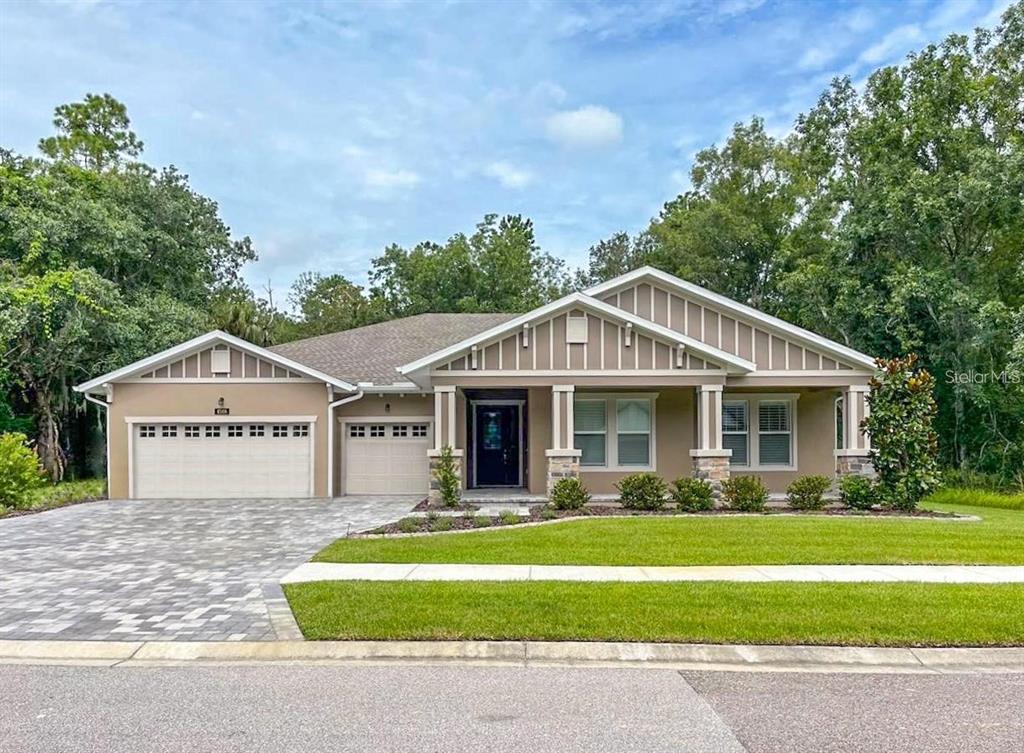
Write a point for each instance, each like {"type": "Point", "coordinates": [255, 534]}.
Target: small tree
{"type": "Point", "coordinates": [19, 471]}
{"type": "Point", "coordinates": [904, 446]}
{"type": "Point", "coordinates": [448, 482]}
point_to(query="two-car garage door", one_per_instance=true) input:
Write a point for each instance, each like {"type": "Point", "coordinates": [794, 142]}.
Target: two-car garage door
{"type": "Point", "coordinates": [222, 460]}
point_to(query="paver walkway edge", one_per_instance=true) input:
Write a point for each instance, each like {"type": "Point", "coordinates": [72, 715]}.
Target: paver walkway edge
{"type": "Point", "coordinates": [742, 658]}
{"type": "Point", "coordinates": [310, 572]}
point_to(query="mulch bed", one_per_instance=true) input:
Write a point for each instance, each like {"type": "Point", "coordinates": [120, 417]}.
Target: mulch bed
{"type": "Point", "coordinates": [540, 513]}
{"type": "Point", "coordinates": [425, 506]}
{"type": "Point", "coordinates": [14, 512]}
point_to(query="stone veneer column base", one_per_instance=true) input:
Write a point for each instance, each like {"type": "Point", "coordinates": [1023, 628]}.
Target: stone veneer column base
{"type": "Point", "coordinates": [854, 465]}
{"type": "Point", "coordinates": [711, 466]}
{"type": "Point", "coordinates": [434, 494]}
{"type": "Point", "coordinates": [562, 464]}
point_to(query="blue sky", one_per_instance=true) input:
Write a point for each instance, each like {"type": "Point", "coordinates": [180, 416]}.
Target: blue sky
{"type": "Point", "coordinates": [326, 130]}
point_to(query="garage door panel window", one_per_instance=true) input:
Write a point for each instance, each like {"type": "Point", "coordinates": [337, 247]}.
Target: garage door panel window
{"type": "Point", "coordinates": [191, 431]}
{"type": "Point", "coordinates": [357, 430]}
{"type": "Point", "coordinates": [300, 430]}
{"type": "Point", "coordinates": [280, 430]}
{"type": "Point", "coordinates": [235, 431]}
{"type": "Point", "coordinates": [212, 431]}
{"type": "Point", "coordinates": [419, 431]}
{"type": "Point", "coordinates": [147, 432]}
{"type": "Point", "coordinates": [377, 430]}
{"type": "Point", "coordinates": [257, 430]}
{"type": "Point", "coordinates": [400, 430]}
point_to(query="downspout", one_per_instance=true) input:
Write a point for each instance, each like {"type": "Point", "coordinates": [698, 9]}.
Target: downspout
{"type": "Point", "coordinates": [106, 412]}
{"type": "Point", "coordinates": [330, 437]}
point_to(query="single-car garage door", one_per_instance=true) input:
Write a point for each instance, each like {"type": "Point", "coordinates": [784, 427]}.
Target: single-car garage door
{"type": "Point", "coordinates": [218, 461]}
{"type": "Point", "coordinates": [386, 458]}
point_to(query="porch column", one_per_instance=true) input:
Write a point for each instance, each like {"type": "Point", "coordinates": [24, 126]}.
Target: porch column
{"type": "Point", "coordinates": [710, 458]}
{"type": "Point", "coordinates": [563, 460]}
{"type": "Point", "coordinates": [855, 456]}
{"type": "Point", "coordinates": [444, 436]}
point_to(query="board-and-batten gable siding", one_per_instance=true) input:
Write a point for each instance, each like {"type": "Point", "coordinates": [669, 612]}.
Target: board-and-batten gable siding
{"type": "Point", "coordinates": [197, 366]}
{"type": "Point", "coordinates": [546, 349]}
{"type": "Point", "coordinates": [720, 329]}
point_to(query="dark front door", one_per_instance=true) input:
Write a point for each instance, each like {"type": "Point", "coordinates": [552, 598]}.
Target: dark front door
{"type": "Point", "coordinates": [496, 439]}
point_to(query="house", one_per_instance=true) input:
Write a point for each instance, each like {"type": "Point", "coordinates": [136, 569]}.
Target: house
{"type": "Point", "coordinates": [645, 372]}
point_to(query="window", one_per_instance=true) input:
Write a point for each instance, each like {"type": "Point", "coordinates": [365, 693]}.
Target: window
{"type": "Point", "coordinates": [633, 428]}
{"type": "Point", "coordinates": [300, 430]}
{"type": "Point", "coordinates": [591, 431]}
{"type": "Point", "coordinates": [357, 430]}
{"type": "Point", "coordinates": [839, 422]}
{"type": "Point", "coordinates": [146, 431]}
{"type": "Point", "coordinates": [191, 431]}
{"type": "Point", "coordinates": [400, 430]}
{"type": "Point", "coordinates": [234, 431]}
{"type": "Point", "coordinates": [256, 430]}
{"type": "Point", "coordinates": [736, 431]}
{"type": "Point", "coordinates": [168, 430]}
{"type": "Point", "coordinates": [212, 430]}
{"type": "Point", "coordinates": [377, 430]}
{"type": "Point", "coordinates": [419, 430]}
{"type": "Point", "coordinates": [774, 433]}
{"type": "Point", "coordinates": [280, 430]}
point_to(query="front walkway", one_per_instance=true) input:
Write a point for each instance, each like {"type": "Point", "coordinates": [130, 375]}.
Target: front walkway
{"type": "Point", "coordinates": [320, 571]}
{"type": "Point", "coordinates": [168, 569]}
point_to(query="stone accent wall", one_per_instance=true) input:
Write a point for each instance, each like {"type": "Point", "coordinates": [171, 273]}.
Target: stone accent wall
{"type": "Point", "coordinates": [855, 465]}
{"type": "Point", "coordinates": [714, 470]}
{"type": "Point", "coordinates": [562, 466]}
{"type": "Point", "coordinates": [434, 494]}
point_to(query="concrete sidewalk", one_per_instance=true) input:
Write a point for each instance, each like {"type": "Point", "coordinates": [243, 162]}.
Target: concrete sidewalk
{"type": "Point", "coordinates": [326, 571]}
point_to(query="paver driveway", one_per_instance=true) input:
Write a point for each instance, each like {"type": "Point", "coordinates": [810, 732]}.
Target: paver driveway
{"type": "Point", "coordinates": [166, 569]}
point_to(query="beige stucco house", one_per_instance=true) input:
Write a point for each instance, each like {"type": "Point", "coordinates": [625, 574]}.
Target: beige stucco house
{"type": "Point", "coordinates": [645, 372]}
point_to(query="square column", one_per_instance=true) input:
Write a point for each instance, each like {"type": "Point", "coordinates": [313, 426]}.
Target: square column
{"type": "Point", "coordinates": [444, 436]}
{"type": "Point", "coordinates": [855, 456]}
{"type": "Point", "coordinates": [563, 460]}
{"type": "Point", "coordinates": [710, 458]}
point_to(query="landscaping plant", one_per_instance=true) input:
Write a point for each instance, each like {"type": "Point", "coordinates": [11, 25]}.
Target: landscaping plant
{"type": "Point", "coordinates": [642, 491]}
{"type": "Point", "coordinates": [693, 494]}
{"type": "Point", "coordinates": [745, 493]}
{"type": "Point", "coordinates": [442, 523]}
{"type": "Point", "coordinates": [409, 525]}
{"type": "Point", "coordinates": [20, 474]}
{"type": "Point", "coordinates": [904, 446]}
{"type": "Point", "coordinates": [569, 494]}
{"type": "Point", "coordinates": [448, 481]}
{"type": "Point", "coordinates": [857, 492]}
{"type": "Point", "coordinates": [808, 492]}
{"type": "Point", "coordinates": [508, 518]}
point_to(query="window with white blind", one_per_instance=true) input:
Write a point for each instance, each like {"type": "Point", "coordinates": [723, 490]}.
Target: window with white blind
{"type": "Point", "coordinates": [736, 431]}
{"type": "Point", "coordinates": [761, 431]}
{"type": "Point", "coordinates": [775, 433]}
{"type": "Point", "coordinates": [614, 432]}
{"type": "Point", "coordinates": [591, 431]}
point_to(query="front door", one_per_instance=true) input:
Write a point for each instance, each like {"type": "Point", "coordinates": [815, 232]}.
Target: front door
{"type": "Point", "coordinates": [496, 438]}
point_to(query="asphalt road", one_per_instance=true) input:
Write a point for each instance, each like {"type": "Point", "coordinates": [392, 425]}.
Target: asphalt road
{"type": "Point", "coordinates": [452, 709]}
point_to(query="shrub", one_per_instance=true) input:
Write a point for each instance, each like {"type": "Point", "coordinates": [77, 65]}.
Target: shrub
{"type": "Point", "coordinates": [569, 494]}
{"type": "Point", "coordinates": [548, 513]}
{"type": "Point", "coordinates": [508, 518]}
{"type": "Point", "coordinates": [442, 523]}
{"type": "Point", "coordinates": [481, 521]}
{"type": "Point", "coordinates": [19, 471]}
{"type": "Point", "coordinates": [410, 525]}
{"type": "Point", "coordinates": [692, 494]}
{"type": "Point", "coordinates": [904, 445]}
{"type": "Point", "coordinates": [745, 493]}
{"type": "Point", "coordinates": [448, 481]}
{"type": "Point", "coordinates": [808, 492]}
{"type": "Point", "coordinates": [857, 492]}
{"type": "Point", "coordinates": [642, 491]}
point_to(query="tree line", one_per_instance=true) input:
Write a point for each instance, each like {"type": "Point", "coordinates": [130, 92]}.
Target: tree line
{"type": "Point", "coordinates": [890, 218]}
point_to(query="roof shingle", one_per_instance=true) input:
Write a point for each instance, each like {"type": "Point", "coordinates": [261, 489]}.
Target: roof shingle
{"type": "Point", "coordinates": [373, 353]}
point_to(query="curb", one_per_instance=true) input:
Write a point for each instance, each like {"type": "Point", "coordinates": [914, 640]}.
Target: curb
{"type": "Point", "coordinates": [736, 658]}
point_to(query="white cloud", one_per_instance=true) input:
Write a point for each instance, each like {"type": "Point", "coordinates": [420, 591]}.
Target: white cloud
{"type": "Point", "coordinates": [508, 174]}
{"type": "Point", "coordinates": [816, 57]}
{"type": "Point", "coordinates": [894, 44]}
{"type": "Point", "coordinates": [951, 13]}
{"type": "Point", "coordinates": [586, 128]}
{"type": "Point", "coordinates": [859, 20]}
{"type": "Point", "coordinates": [387, 180]}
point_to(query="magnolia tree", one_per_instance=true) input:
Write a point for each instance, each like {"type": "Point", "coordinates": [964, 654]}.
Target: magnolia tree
{"type": "Point", "coordinates": [904, 446]}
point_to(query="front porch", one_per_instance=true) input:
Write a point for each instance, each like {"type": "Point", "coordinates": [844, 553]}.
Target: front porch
{"type": "Point", "coordinates": [513, 444]}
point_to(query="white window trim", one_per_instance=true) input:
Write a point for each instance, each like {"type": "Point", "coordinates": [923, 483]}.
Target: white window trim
{"type": "Point", "coordinates": [746, 404]}
{"type": "Point", "coordinates": [611, 447]}
{"type": "Point", "coordinates": [754, 429]}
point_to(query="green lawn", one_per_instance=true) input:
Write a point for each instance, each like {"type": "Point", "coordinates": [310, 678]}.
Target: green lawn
{"type": "Point", "coordinates": [996, 539]}
{"type": "Point", "coordinates": [886, 614]}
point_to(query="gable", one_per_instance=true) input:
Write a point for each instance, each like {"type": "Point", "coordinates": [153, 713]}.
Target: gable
{"type": "Point", "coordinates": [773, 345]}
{"type": "Point", "coordinates": [608, 345]}
{"type": "Point", "coordinates": [199, 365]}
